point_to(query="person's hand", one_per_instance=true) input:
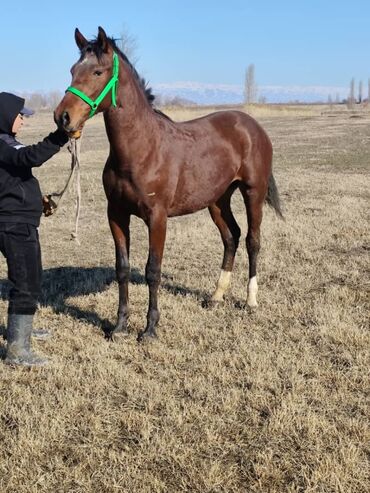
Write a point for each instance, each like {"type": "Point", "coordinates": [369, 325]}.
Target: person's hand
{"type": "Point", "coordinates": [48, 205]}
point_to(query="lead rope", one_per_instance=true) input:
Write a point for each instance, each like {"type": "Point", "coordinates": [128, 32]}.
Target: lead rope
{"type": "Point", "coordinates": [50, 205]}
{"type": "Point", "coordinates": [74, 149]}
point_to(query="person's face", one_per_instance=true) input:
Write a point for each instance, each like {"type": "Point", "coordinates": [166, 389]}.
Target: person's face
{"type": "Point", "coordinates": [18, 123]}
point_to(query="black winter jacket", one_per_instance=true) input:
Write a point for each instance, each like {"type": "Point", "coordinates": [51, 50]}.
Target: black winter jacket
{"type": "Point", "coordinates": [20, 195]}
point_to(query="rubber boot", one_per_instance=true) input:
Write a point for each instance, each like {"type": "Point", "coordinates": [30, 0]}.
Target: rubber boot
{"type": "Point", "coordinates": [18, 351]}
{"type": "Point", "coordinates": [39, 334]}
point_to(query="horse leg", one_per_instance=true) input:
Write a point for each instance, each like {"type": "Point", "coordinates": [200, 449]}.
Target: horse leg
{"type": "Point", "coordinates": [157, 225]}
{"type": "Point", "coordinates": [230, 234]}
{"type": "Point", "coordinates": [253, 199]}
{"type": "Point", "coordinates": [120, 227]}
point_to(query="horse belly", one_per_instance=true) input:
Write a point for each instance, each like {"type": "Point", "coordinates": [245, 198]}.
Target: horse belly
{"type": "Point", "coordinates": [198, 189]}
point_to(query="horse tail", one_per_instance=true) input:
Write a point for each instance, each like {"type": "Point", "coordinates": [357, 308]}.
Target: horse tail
{"type": "Point", "coordinates": [273, 198]}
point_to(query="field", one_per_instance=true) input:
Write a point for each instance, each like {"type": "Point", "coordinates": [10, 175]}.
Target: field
{"type": "Point", "coordinates": [227, 399]}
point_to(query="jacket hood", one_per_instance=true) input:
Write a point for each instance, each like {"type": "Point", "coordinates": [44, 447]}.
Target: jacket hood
{"type": "Point", "coordinates": [10, 106]}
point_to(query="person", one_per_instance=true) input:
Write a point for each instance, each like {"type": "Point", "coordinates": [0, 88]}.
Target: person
{"type": "Point", "coordinates": [20, 212]}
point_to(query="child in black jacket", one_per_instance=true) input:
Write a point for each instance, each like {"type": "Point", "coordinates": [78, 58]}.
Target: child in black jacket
{"type": "Point", "coordinates": [20, 213]}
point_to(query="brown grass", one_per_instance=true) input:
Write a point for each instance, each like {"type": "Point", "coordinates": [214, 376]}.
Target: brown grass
{"type": "Point", "coordinates": [276, 400]}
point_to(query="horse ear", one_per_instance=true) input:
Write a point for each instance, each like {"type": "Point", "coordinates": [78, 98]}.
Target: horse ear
{"type": "Point", "coordinates": [102, 39]}
{"type": "Point", "coordinates": [81, 41]}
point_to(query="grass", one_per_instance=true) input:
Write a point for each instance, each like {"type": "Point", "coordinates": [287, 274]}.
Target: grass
{"type": "Point", "coordinates": [227, 400]}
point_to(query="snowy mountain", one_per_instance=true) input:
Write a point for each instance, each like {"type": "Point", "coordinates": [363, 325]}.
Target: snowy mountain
{"type": "Point", "coordinates": [204, 94]}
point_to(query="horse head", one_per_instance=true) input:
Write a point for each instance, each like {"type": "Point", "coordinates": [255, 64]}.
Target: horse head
{"type": "Point", "coordinates": [94, 83]}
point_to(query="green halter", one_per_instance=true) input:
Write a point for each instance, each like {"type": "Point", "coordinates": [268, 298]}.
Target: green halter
{"type": "Point", "coordinates": [112, 85]}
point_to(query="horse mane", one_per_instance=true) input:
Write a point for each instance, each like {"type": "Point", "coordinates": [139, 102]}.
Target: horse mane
{"type": "Point", "coordinates": [148, 92]}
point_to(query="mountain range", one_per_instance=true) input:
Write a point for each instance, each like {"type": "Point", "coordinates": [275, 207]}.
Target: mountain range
{"type": "Point", "coordinates": [208, 94]}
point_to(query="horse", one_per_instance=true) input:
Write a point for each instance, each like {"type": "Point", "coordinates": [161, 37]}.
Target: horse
{"type": "Point", "coordinates": [158, 168]}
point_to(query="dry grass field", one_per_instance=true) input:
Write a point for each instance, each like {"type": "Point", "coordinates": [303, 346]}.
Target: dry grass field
{"type": "Point", "coordinates": [227, 400]}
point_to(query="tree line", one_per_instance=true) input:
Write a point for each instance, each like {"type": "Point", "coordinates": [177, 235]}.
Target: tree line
{"type": "Point", "coordinates": [251, 91]}
{"type": "Point", "coordinates": [42, 101]}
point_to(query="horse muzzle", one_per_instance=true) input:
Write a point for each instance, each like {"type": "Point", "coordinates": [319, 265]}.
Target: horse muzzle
{"type": "Point", "coordinates": [63, 121]}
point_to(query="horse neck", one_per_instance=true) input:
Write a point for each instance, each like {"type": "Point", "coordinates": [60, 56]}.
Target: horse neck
{"type": "Point", "coordinates": [132, 124]}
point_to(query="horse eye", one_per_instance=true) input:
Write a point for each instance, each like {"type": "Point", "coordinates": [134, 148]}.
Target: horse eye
{"type": "Point", "coordinates": [98, 72]}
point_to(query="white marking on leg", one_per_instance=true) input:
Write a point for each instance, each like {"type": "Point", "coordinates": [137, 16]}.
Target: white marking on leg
{"type": "Point", "coordinates": [222, 285]}
{"type": "Point", "coordinates": [252, 292]}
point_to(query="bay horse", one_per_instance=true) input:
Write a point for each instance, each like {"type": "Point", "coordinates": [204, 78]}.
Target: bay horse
{"type": "Point", "coordinates": [158, 168]}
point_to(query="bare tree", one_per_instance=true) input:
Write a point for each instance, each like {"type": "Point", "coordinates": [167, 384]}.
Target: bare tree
{"type": "Point", "coordinates": [53, 98]}
{"type": "Point", "coordinates": [42, 100]}
{"type": "Point", "coordinates": [128, 44]}
{"type": "Point", "coordinates": [360, 91]}
{"type": "Point", "coordinates": [250, 87]}
{"type": "Point", "coordinates": [351, 97]}
{"type": "Point", "coordinates": [36, 100]}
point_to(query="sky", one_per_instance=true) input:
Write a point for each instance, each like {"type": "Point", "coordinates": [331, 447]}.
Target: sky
{"type": "Point", "coordinates": [291, 43]}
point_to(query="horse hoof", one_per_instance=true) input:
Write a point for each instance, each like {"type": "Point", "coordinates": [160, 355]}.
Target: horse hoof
{"type": "Point", "coordinates": [146, 336]}
{"type": "Point", "coordinates": [121, 332]}
{"type": "Point", "coordinates": [108, 336]}
{"type": "Point", "coordinates": [210, 303]}
{"type": "Point", "coordinates": [252, 306]}
{"type": "Point", "coordinates": [243, 305]}
{"type": "Point", "coordinates": [112, 335]}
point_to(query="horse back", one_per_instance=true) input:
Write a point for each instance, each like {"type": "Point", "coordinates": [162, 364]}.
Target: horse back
{"type": "Point", "coordinates": [215, 151]}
